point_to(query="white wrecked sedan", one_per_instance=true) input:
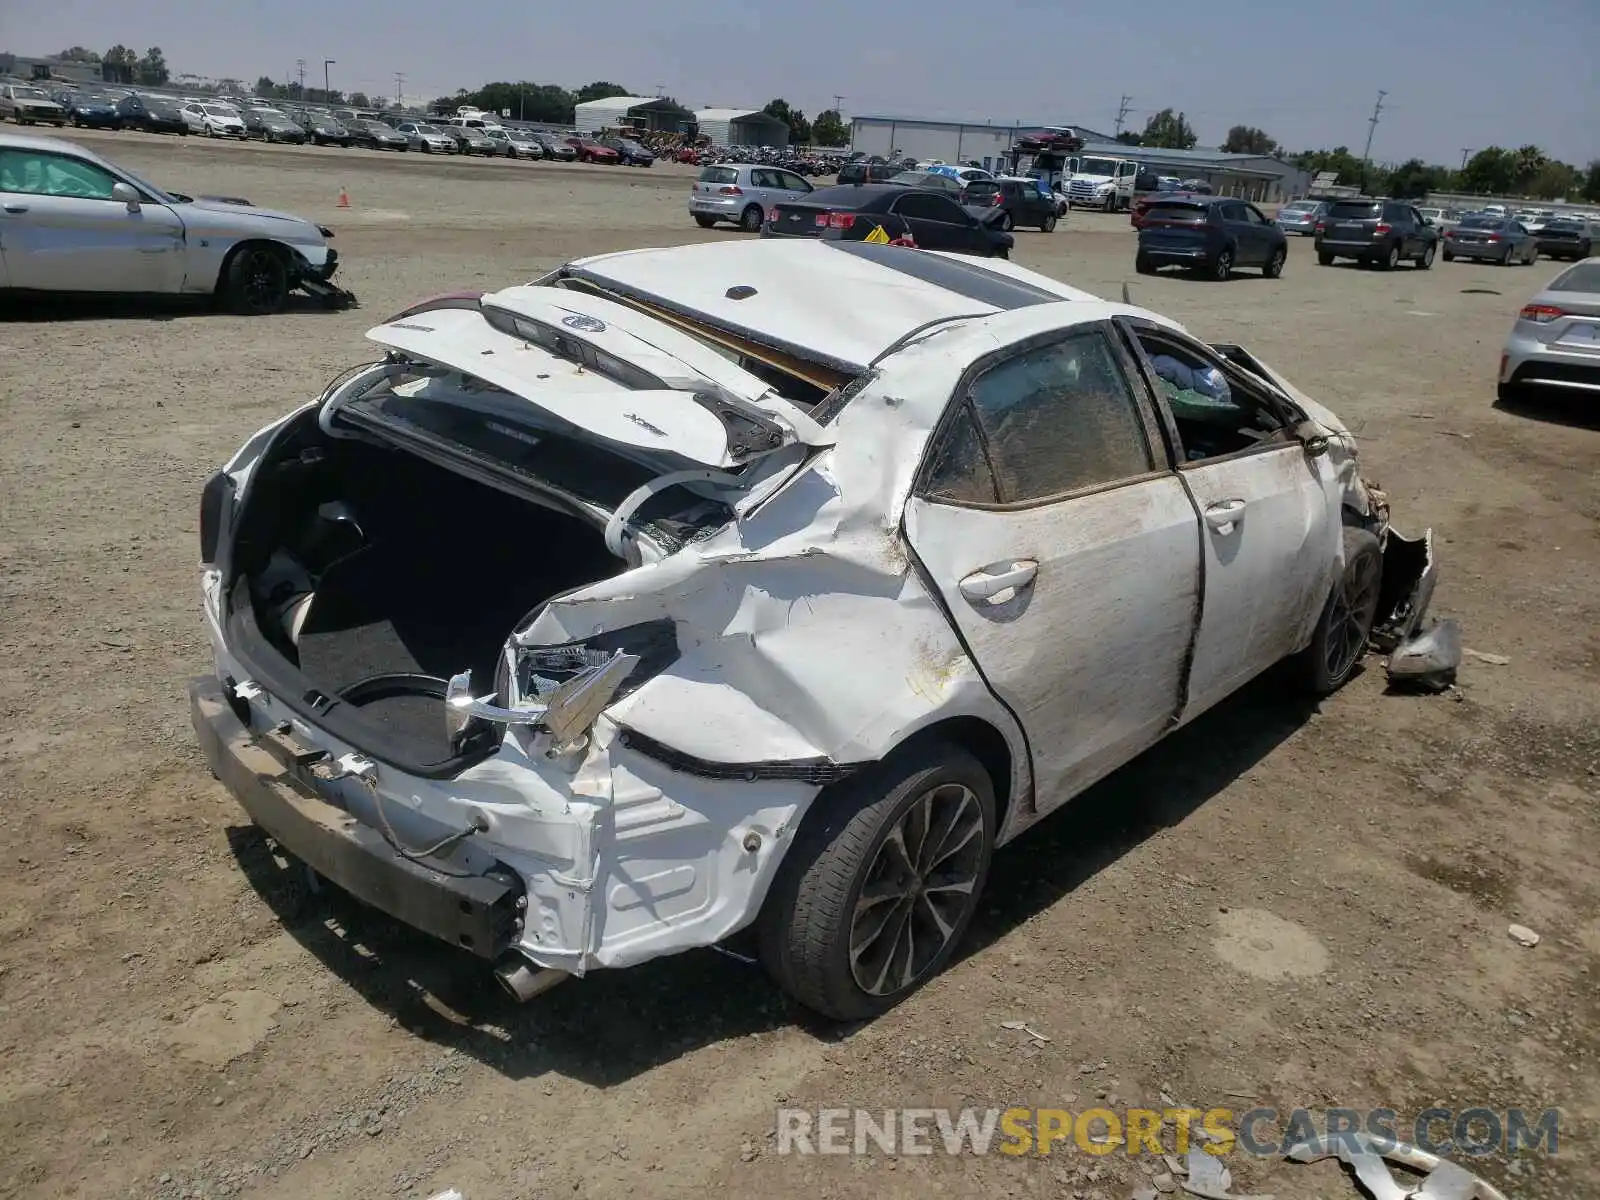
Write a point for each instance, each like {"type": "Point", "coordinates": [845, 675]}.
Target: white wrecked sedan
{"type": "Point", "coordinates": [764, 583]}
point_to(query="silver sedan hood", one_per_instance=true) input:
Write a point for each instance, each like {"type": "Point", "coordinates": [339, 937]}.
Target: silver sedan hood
{"type": "Point", "coordinates": [218, 216]}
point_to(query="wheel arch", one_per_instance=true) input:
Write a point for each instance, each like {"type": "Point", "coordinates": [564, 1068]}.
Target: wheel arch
{"type": "Point", "coordinates": [291, 260]}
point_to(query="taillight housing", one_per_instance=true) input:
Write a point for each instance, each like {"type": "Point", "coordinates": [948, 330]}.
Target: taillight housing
{"type": "Point", "coordinates": [1494, 237]}
{"type": "Point", "coordinates": [841, 220]}
{"type": "Point", "coordinates": [1382, 228]}
{"type": "Point", "coordinates": [1541, 314]}
{"type": "Point", "coordinates": [731, 189]}
{"type": "Point", "coordinates": [1321, 226]}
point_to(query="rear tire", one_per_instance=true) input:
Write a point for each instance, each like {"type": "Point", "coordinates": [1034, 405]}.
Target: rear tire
{"type": "Point", "coordinates": [1391, 257]}
{"type": "Point", "coordinates": [1005, 223]}
{"type": "Point", "coordinates": [1340, 639]}
{"type": "Point", "coordinates": [881, 882]}
{"type": "Point", "coordinates": [1324, 258]}
{"type": "Point", "coordinates": [1448, 257]}
{"type": "Point", "coordinates": [703, 221]}
{"type": "Point", "coordinates": [1143, 265]}
{"type": "Point", "coordinates": [750, 218]}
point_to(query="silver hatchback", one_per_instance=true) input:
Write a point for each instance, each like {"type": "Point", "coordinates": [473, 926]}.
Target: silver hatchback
{"type": "Point", "coordinates": [743, 194]}
{"type": "Point", "coordinates": [1301, 216]}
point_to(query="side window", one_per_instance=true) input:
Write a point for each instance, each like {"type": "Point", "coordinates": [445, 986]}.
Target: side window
{"type": "Point", "coordinates": [1214, 414]}
{"type": "Point", "coordinates": [1253, 214]}
{"type": "Point", "coordinates": [923, 206]}
{"type": "Point", "coordinates": [1060, 417]}
{"type": "Point", "coordinates": [959, 470]}
{"type": "Point", "coordinates": [37, 173]}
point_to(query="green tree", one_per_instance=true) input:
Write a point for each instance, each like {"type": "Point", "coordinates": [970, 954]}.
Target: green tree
{"type": "Point", "coordinates": [78, 54]}
{"type": "Point", "coordinates": [1414, 179]}
{"type": "Point", "coordinates": [1491, 171]}
{"type": "Point", "coordinates": [1129, 138]}
{"type": "Point", "coordinates": [1526, 162]}
{"type": "Point", "coordinates": [1247, 139]}
{"type": "Point", "coordinates": [1169, 131]}
{"type": "Point", "coordinates": [1346, 166]}
{"type": "Point", "coordinates": [829, 128]}
{"type": "Point", "coordinates": [799, 127]}
{"type": "Point", "coordinates": [1591, 182]}
{"type": "Point", "coordinates": [117, 64]}
{"type": "Point", "coordinates": [599, 90]}
{"type": "Point", "coordinates": [265, 87]}
{"type": "Point", "coordinates": [359, 100]}
{"type": "Point", "coordinates": [152, 68]}
{"type": "Point", "coordinates": [1555, 181]}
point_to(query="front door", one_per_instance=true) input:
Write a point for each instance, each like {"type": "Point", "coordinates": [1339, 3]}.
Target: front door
{"type": "Point", "coordinates": [1270, 513]}
{"type": "Point", "coordinates": [1065, 549]}
{"type": "Point", "coordinates": [61, 230]}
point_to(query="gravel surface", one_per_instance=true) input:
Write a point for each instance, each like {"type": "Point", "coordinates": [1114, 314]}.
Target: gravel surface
{"type": "Point", "coordinates": [1278, 905]}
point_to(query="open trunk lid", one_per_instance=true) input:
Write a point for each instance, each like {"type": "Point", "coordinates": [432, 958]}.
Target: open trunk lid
{"type": "Point", "coordinates": [622, 377]}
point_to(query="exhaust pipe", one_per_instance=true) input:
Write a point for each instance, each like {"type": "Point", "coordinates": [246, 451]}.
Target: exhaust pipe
{"type": "Point", "coordinates": [523, 980]}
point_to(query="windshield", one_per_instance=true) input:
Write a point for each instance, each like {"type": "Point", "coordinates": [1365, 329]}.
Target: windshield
{"type": "Point", "coordinates": [1176, 212]}
{"type": "Point", "coordinates": [28, 93]}
{"type": "Point", "coordinates": [216, 110]}
{"type": "Point", "coordinates": [1300, 206]}
{"type": "Point", "coordinates": [434, 129]}
{"type": "Point", "coordinates": [1480, 222]}
{"type": "Point", "coordinates": [1096, 166]}
{"type": "Point", "coordinates": [1563, 223]}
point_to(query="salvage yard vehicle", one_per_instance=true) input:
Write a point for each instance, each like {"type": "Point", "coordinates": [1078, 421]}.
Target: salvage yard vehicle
{"type": "Point", "coordinates": [429, 139]}
{"type": "Point", "coordinates": [1491, 238]}
{"type": "Point", "coordinates": [743, 194]}
{"type": "Point", "coordinates": [153, 114]}
{"type": "Point", "coordinates": [1565, 237]}
{"type": "Point", "coordinates": [1377, 233]}
{"type": "Point", "coordinates": [668, 596]}
{"type": "Point", "coordinates": [1554, 346]}
{"type": "Point", "coordinates": [1021, 201]}
{"type": "Point", "coordinates": [886, 212]}
{"type": "Point", "coordinates": [28, 105]}
{"type": "Point", "coordinates": [73, 222]}
{"type": "Point", "coordinates": [1301, 216]}
{"type": "Point", "coordinates": [515, 143]}
{"type": "Point", "coordinates": [1209, 234]}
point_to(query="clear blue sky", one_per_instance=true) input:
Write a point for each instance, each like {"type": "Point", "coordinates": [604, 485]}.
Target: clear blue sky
{"type": "Point", "coordinates": [1459, 73]}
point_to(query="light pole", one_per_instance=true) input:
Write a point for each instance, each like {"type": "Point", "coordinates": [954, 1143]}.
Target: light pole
{"type": "Point", "coordinates": [327, 90]}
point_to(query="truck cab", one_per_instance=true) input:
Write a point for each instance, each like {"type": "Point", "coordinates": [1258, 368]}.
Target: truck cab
{"type": "Point", "coordinates": [1095, 181]}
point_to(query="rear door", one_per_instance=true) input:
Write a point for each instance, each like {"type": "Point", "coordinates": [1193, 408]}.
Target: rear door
{"type": "Point", "coordinates": [62, 231]}
{"type": "Point", "coordinates": [936, 222]}
{"type": "Point", "coordinates": [1246, 239]}
{"type": "Point", "coordinates": [1270, 513]}
{"type": "Point", "coordinates": [1064, 546]}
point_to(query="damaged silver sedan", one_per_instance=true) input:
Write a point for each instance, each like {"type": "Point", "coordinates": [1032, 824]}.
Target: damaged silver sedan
{"type": "Point", "coordinates": [766, 584]}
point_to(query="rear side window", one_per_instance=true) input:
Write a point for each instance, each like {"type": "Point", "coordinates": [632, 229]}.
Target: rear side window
{"type": "Point", "coordinates": [1059, 418]}
{"type": "Point", "coordinates": [960, 470]}
{"type": "Point", "coordinates": [1585, 277]}
{"type": "Point", "coordinates": [1351, 210]}
{"type": "Point", "coordinates": [849, 173]}
{"type": "Point", "coordinates": [719, 175]}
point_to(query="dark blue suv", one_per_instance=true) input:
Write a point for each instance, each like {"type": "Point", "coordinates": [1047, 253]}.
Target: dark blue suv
{"type": "Point", "coordinates": [1211, 235]}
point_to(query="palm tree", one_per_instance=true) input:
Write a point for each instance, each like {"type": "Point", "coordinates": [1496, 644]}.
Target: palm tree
{"type": "Point", "coordinates": [1526, 163]}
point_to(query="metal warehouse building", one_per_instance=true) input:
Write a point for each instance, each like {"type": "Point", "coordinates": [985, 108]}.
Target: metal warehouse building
{"type": "Point", "coordinates": [741, 127]}
{"type": "Point", "coordinates": [1253, 176]}
{"type": "Point", "coordinates": [984, 142]}
{"type": "Point", "coordinates": [641, 112]}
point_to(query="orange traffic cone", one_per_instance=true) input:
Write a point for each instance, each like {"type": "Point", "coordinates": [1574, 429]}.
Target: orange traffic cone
{"type": "Point", "coordinates": [344, 198]}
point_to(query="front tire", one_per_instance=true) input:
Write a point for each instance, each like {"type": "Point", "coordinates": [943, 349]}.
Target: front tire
{"type": "Point", "coordinates": [1048, 225]}
{"type": "Point", "coordinates": [1340, 639]}
{"type": "Point", "coordinates": [883, 879]}
{"type": "Point", "coordinates": [256, 281]}
{"type": "Point", "coordinates": [1222, 266]}
{"type": "Point", "coordinates": [1274, 267]}
{"type": "Point", "coordinates": [1426, 259]}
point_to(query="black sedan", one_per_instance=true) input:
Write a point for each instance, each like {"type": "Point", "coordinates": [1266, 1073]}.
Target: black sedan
{"type": "Point", "coordinates": [891, 213]}
{"type": "Point", "coordinates": [629, 152]}
{"type": "Point", "coordinates": [153, 114]}
{"type": "Point", "coordinates": [1566, 237]}
{"type": "Point", "coordinates": [377, 136]}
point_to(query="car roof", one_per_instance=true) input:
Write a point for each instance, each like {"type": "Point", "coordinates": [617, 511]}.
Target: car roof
{"type": "Point", "coordinates": [21, 141]}
{"type": "Point", "coordinates": [797, 284]}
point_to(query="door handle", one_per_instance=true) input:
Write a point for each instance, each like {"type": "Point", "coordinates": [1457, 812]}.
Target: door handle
{"type": "Point", "coordinates": [988, 583]}
{"type": "Point", "coordinates": [17, 209]}
{"type": "Point", "coordinates": [1225, 515]}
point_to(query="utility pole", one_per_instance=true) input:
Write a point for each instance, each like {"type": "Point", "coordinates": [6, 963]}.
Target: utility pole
{"type": "Point", "coordinates": [399, 80]}
{"type": "Point", "coordinates": [838, 103]}
{"type": "Point", "coordinates": [1122, 112]}
{"type": "Point", "coordinates": [327, 88]}
{"type": "Point", "coordinates": [1372, 128]}
{"type": "Point", "coordinates": [300, 65]}
{"type": "Point", "coordinates": [1465, 151]}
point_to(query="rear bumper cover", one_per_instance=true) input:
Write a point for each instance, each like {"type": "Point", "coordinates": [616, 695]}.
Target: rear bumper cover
{"type": "Point", "coordinates": [475, 912]}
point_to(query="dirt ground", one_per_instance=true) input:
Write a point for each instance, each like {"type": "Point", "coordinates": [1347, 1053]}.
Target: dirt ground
{"type": "Point", "coordinates": [1281, 905]}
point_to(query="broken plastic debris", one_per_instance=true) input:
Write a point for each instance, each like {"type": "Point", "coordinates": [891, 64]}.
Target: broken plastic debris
{"type": "Point", "coordinates": [1427, 661]}
{"type": "Point", "coordinates": [1024, 1028]}
{"type": "Point", "coordinates": [448, 1194]}
{"type": "Point", "coordinates": [1523, 936]}
{"type": "Point", "coordinates": [1144, 1191]}
{"type": "Point", "coordinates": [1206, 1170]}
{"type": "Point", "coordinates": [1445, 1180]}
{"type": "Point", "coordinates": [1483, 656]}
